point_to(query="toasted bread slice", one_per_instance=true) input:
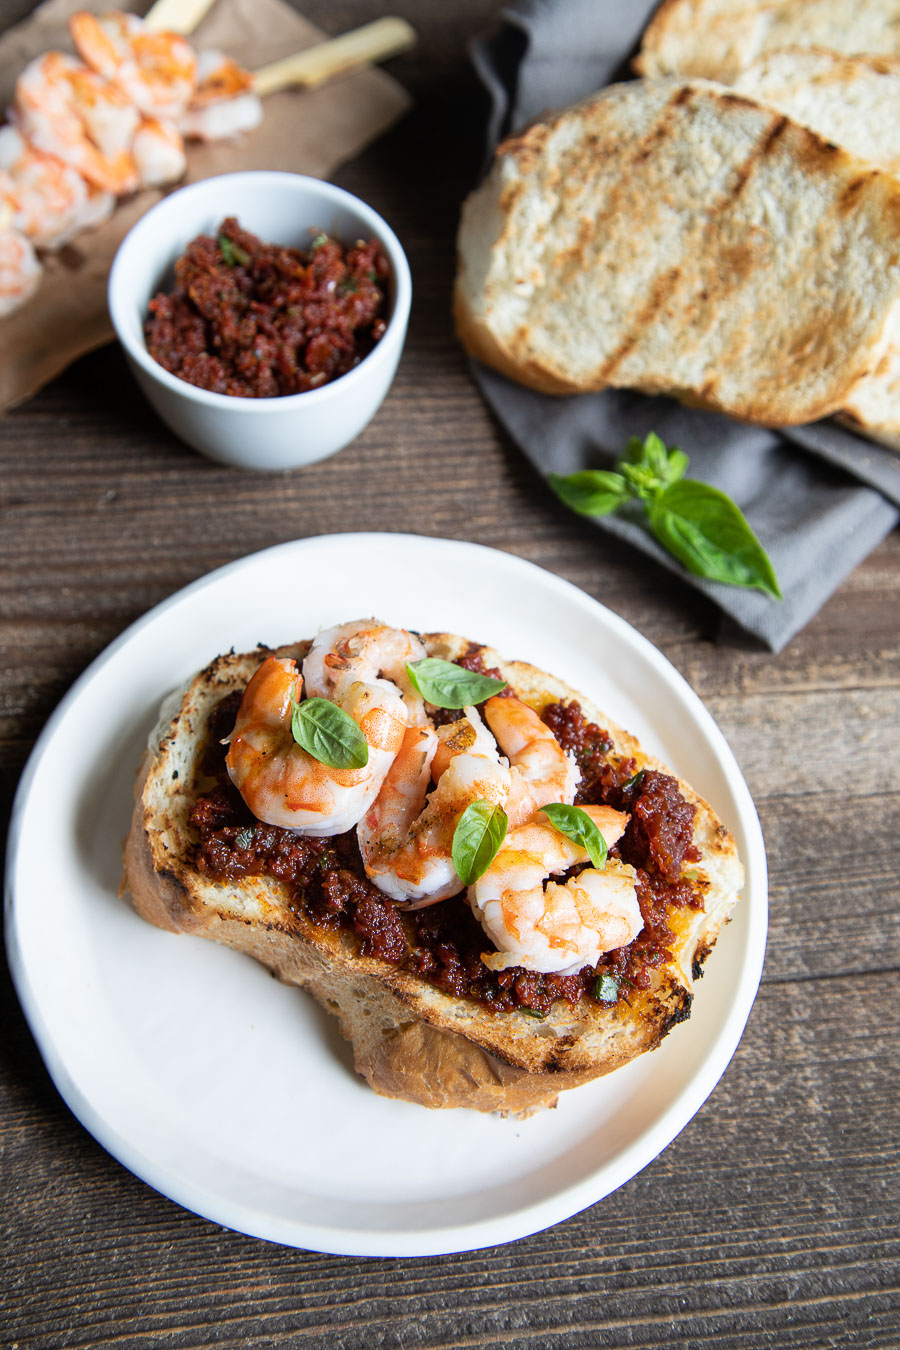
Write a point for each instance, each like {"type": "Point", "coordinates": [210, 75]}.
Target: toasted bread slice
{"type": "Point", "coordinates": [719, 38]}
{"type": "Point", "coordinates": [851, 100]}
{"type": "Point", "coordinates": [874, 409]}
{"type": "Point", "coordinates": [678, 238]}
{"type": "Point", "coordinates": [410, 1039]}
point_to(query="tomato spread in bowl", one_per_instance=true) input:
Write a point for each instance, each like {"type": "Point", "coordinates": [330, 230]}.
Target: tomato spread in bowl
{"type": "Point", "coordinates": [261, 320]}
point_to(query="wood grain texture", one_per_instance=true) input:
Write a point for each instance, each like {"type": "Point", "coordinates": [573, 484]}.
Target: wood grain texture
{"type": "Point", "coordinates": [772, 1219]}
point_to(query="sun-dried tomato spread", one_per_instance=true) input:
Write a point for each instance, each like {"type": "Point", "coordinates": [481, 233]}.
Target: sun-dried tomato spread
{"type": "Point", "coordinates": [261, 320]}
{"type": "Point", "coordinates": [443, 943]}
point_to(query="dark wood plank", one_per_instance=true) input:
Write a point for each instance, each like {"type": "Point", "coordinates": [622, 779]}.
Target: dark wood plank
{"type": "Point", "coordinates": [772, 1219]}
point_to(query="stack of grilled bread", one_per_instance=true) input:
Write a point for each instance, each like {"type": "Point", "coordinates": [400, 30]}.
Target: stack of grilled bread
{"type": "Point", "coordinates": [725, 230]}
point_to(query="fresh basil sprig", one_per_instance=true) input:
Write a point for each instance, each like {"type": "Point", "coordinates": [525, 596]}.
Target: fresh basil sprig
{"type": "Point", "coordinates": [479, 833]}
{"type": "Point", "coordinates": [447, 685]}
{"type": "Point", "coordinates": [329, 734]}
{"type": "Point", "coordinates": [698, 524]}
{"type": "Point", "coordinates": [577, 825]}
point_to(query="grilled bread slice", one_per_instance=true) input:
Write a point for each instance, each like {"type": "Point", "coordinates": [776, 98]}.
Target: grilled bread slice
{"type": "Point", "coordinates": [678, 238]}
{"type": "Point", "coordinates": [719, 38]}
{"type": "Point", "coordinates": [851, 100]}
{"type": "Point", "coordinates": [410, 1039]}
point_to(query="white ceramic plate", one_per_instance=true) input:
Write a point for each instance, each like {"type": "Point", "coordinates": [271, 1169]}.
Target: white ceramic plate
{"type": "Point", "coordinates": [233, 1094]}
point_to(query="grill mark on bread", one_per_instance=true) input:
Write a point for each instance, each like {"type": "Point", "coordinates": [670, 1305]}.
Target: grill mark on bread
{"type": "Point", "coordinates": [663, 127]}
{"type": "Point", "coordinates": [762, 148]}
{"type": "Point", "coordinates": [662, 287]}
{"type": "Point", "coordinates": [739, 259]}
{"type": "Point", "coordinates": [852, 192]}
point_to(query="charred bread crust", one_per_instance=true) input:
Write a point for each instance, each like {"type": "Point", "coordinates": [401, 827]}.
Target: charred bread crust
{"type": "Point", "coordinates": [410, 1039]}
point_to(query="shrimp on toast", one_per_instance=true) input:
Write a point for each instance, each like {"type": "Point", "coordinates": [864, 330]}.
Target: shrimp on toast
{"type": "Point", "coordinates": [368, 650]}
{"type": "Point", "coordinates": [542, 771]}
{"type": "Point", "coordinates": [406, 836]}
{"type": "Point", "coordinates": [430, 1021]}
{"type": "Point", "coordinates": [285, 785]}
{"type": "Point", "coordinates": [552, 927]}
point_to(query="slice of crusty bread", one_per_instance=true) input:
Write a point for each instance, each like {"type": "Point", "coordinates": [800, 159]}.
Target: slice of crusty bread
{"type": "Point", "coordinates": [718, 38]}
{"type": "Point", "coordinates": [679, 238]}
{"type": "Point", "coordinates": [410, 1040]}
{"type": "Point", "coordinates": [874, 408]}
{"type": "Point", "coordinates": [851, 100]}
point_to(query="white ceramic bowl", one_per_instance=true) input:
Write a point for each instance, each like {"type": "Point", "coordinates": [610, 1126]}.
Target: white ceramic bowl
{"type": "Point", "coordinates": [256, 433]}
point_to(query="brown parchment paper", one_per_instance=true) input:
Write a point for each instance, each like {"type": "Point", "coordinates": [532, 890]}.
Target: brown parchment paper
{"type": "Point", "coordinates": [304, 131]}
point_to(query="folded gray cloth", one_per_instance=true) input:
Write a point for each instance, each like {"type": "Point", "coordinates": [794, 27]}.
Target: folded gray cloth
{"type": "Point", "coordinates": [818, 497]}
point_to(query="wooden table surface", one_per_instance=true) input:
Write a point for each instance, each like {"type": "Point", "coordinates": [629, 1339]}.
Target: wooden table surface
{"type": "Point", "coordinates": [771, 1220]}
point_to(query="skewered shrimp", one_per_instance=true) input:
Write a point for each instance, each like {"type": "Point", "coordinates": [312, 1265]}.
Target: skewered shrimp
{"type": "Point", "coordinates": [364, 649]}
{"type": "Point", "coordinates": [406, 836]}
{"type": "Point", "coordinates": [60, 107]}
{"type": "Point", "coordinates": [20, 271]}
{"type": "Point", "coordinates": [555, 928]}
{"type": "Point", "coordinates": [50, 202]}
{"type": "Point", "coordinates": [284, 785]}
{"type": "Point", "coordinates": [223, 103]}
{"type": "Point", "coordinates": [158, 152]}
{"type": "Point", "coordinates": [56, 117]}
{"type": "Point", "coordinates": [155, 71]}
{"type": "Point", "coordinates": [543, 772]}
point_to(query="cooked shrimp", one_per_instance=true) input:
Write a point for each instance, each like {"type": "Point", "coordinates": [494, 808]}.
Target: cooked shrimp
{"type": "Point", "coordinates": [543, 771]}
{"type": "Point", "coordinates": [284, 785]}
{"type": "Point", "coordinates": [107, 116]}
{"type": "Point", "coordinates": [50, 202]}
{"type": "Point", "coordinates": [60, 107]}
{"type": "Point", "coordinates": [406, 836]}
{"type": "Point", "coordinates": [155, 71]}
{"type": "Point", "coordinates": [555, 928]}
{"type": "Point", "coordinates": [364, 649]}
{"type": "Point", "coordinates": [223, 103]}
{"type": "Point", "coordinates": [20, 271]}
{"type": "Point", "coordinates": [158, 152]}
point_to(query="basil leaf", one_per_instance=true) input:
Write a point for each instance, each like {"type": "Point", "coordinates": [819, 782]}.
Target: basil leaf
{"type": "Point", "coordinates": [709, 534]}
{"type": "Point", "coordinates": [606, 989]}
{"type": "Point", "coordinates": [232, 252]}
{"type": "Point", "coordinates": [675, 467]}
{"type": "Point", "coordinates": [634, 449]}
{"type": "Point", "coordinates": [479, 833]}
{"type": "Point", "coordinates": [577, 825]}
{"type": "Point", "coordinates": [329, 734]}
{"type": "Point", "coordinates": [654, 455]}
{"type": "Point", "coordinates": [655, 460]}
{"type": "Point", "coordinates": [244, 838]}
{"type": "Point", "coordinates": [591, 492]}
{"type": "Point", "coordinates": [448, 685]}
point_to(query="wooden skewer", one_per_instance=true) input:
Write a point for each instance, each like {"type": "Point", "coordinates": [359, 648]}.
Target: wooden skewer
{"type": "Point", "coordinates": [373, 42]}
{"type": "Point", "coordinates": [176, 16]}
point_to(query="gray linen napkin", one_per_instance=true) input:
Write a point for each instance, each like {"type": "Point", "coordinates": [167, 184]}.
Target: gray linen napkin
{"type": "Point", "coordinates": [818, 497]}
